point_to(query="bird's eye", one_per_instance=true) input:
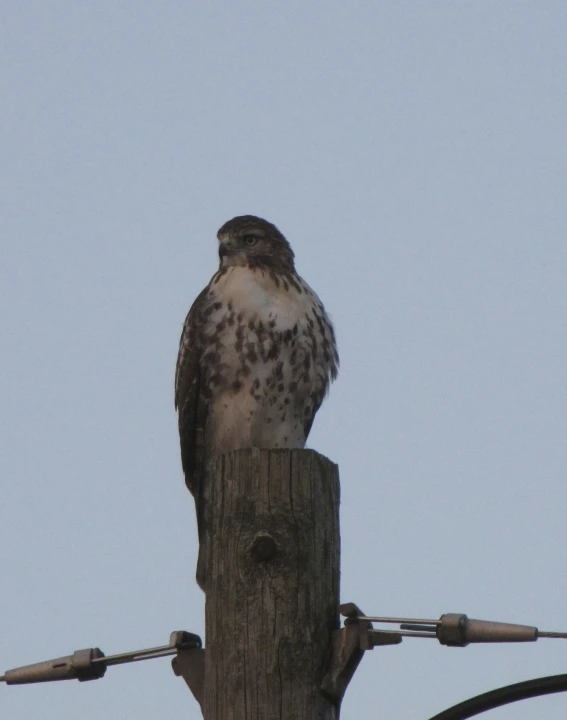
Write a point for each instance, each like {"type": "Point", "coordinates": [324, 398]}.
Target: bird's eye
{"type": "Point", "coordinates": [249, 240]}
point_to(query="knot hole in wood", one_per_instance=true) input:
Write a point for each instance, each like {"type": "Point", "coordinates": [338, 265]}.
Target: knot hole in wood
{"type": "Point", "coordinates": [263, 547]}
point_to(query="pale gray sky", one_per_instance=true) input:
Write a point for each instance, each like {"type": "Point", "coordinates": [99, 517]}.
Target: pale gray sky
{"type": "Point", "coordinates": [414, 154]}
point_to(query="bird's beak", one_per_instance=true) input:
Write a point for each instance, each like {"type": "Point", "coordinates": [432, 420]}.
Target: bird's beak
{"type": "Point", "coordinates": [225, 248]}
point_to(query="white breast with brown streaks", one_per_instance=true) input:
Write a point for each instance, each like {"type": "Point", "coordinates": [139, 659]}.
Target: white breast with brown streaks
{"type": "Point", "coordinates": [269, 357]}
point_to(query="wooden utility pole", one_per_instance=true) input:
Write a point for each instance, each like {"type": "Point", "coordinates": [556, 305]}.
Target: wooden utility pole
{"type": "Point", "coordinates": [272, 558]}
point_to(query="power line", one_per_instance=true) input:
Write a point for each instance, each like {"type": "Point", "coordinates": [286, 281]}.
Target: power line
{"type": "Point", "coordinates": [452, 629]}
{"type": "Point", "coordinates": [503, 696]}
{"type": "Point", "coordinates": [91, 663]}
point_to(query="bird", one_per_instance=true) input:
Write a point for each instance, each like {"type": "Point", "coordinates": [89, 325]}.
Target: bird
{"type": "Point", "coordinates": [256, 357]}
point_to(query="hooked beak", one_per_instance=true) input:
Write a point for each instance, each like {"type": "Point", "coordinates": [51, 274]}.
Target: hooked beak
{"type": "Point", "coordinates": [225, 248]}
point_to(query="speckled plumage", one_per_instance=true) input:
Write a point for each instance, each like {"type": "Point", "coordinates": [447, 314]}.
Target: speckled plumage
{"type": "Point", "coordinates": [257, 353]}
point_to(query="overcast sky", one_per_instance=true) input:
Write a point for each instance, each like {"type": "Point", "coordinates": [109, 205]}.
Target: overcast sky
{"type": "Point", "coordinates": [415, 155]}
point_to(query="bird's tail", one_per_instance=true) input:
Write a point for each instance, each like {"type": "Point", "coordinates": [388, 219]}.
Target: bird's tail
{"type": "Point", "coordinates": [195, 485]}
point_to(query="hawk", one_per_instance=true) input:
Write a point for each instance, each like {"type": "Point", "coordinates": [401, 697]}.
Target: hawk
{"type": "Point", "coordinates": [256, 357]}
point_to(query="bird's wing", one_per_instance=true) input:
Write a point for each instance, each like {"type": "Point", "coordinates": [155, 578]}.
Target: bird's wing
{"type": "Point", "coordinates": [190, 401]}
{"type": "Point", "coordinates": [327, 360]}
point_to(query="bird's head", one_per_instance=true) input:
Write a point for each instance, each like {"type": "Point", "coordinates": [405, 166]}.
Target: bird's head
{"type": "Point", "coordinates": [250, 241]}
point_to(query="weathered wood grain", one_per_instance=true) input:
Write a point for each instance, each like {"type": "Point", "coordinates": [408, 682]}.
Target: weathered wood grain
{"type": "Point", "coordinates": [272, 562]}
